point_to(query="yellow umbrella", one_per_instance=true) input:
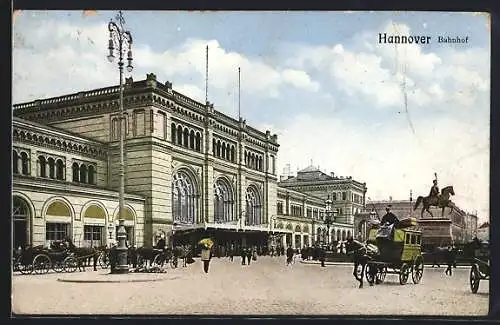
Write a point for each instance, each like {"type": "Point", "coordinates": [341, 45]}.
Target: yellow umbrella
{"type": "Point", "coordinates": [207, 242]}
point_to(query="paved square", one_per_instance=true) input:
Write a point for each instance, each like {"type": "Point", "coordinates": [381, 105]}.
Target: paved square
{"type": "Point", "coordinates": [267, 286]}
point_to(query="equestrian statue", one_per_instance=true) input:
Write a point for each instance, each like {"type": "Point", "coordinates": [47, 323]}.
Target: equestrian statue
{"type": "Point", "coordinates": [440, 200]}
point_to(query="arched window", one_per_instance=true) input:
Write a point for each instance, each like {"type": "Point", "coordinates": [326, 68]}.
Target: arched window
{"type": "Point", "coordinates": [253, 207]}
{"type": "Point", "coordinates": [25, 163]}
{"type": "Point", "coordinates": [52, 167]}
{"type": "Point", "coordinates": [260, 163]}
{"type": "Point", "coordinates": [339, 237]}
{"type": "Point", "coordinates": [343, 235]}
{"type": "Point", "coordinates": [15, 161]}
{"type": "Point", "coordinates": [191, 140]}
{"type": "Point", "coordinates": [43, 166]}
{"type": "Point", "coordinates": [91, 172]}
{"type": "Point", "coordinates": [60, 169]}
{"type": "Point", "coordinates": [179, 135]}
{"type": "Point", "coordinates": [218, 149]}
{"type": "Point", "coordinates": [184, 198]}
{"type": "Point", "coordinates": [228, 152]}
{"type": "Point", "coordinates": [223, 150]}
{"type": "Point", "coordinates": [76, 172]}
{"type": "Point", "coordinates": [186, 138]}
{"type": "Point", "coordinates": [198, 142]}
{"type": "Point", "coordinates": [232, 153]}
{"type": "Point", "coordinates": [223, 201]}
{"type": "Point", "coordinates": [172, 133]}
{"type": "Point", "coordinates": [214, 147]}
{"type": "Point", "coordinates": [83, 173]}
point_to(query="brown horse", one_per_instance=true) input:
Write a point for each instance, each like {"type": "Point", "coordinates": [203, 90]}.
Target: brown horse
{"type": "Point", "coordinates": [443, 201]}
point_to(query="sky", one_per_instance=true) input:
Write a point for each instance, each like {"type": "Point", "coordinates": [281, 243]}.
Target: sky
{"type": "Point", "coordinates": [388, 115]}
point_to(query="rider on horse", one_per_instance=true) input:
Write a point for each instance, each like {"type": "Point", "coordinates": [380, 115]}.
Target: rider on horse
{"type": "Point", "coordinates": [434, 192]}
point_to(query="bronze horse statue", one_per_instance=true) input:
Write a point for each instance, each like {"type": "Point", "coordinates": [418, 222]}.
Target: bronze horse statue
{"type": "Point", "coordinates": [443, 201]}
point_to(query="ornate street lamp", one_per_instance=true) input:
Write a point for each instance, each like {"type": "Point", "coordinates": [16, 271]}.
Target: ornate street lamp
{"type": "Point", "coordinates": [328, 218]}
{"type": "Point", "coordinates": [120, 43]}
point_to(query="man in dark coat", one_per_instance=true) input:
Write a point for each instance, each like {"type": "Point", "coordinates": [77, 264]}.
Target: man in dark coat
{"type": "Point", "coordinates": [389, 217]}
{"type": "Point", "coordinates": [289, 255]}
{"type": "Point", "coordinates": [243, 255]}
{"type": "Point", "coordinates": [161, 243]}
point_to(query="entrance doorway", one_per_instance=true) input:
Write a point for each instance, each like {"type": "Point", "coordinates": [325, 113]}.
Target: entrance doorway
{"type": "Point", "coordinates": [20, 218]}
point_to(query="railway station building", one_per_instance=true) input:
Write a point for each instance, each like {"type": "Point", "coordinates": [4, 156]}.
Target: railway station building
{"type": "Point", "coordinates": [190, 171]}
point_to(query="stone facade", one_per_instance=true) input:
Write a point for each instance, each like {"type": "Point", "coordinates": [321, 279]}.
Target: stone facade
{"type": "Point", "coordinates": [300, 220]}
{"type": "Point", "coordinates": [60, 189]}
{"type": "Point", "coordinates": [347, 194]}
{"type": "Point", "coordinates": [187, 165]}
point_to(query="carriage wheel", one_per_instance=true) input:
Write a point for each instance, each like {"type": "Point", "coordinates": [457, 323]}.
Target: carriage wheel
{"type": "Point", "coordinates": [159, 260]}
{"type": "Point", "coordinates": [404, 274]}
{"type": "Point", "coordinates": [382, 272]}
{"type": "Point", "coordinates": [58, 267]}
{"type": "Point", "coordinates": [418, 269]}
{"type": "Point", "coordinates": [70, 264]}
{"type": "Point", "coordinates": [370, 273]}
{"type": "Point", "coordinates": [41, 264]}
{"type": "Point", "coordinates": [17, 265]}
{"type": "Point", "coordinates": [26, 268]}
{"type": "Point", "coordinates": [174, 262]}
{"type": "Point", "coordinates": [103, 260]}
{"type": "Point", "coordinates": [474, 278]}
{"type": "Point", "coordinates": [358, 273]}
{"type": "Point", "coordinates": [141, 262]}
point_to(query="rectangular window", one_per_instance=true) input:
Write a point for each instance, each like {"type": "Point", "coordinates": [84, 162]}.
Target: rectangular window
{"type": "Point", "coordinates": [309, 212]}
{"type": "Point", "coordinates": [92, 232]}
{"type": "Point", "coordinates": [407, 239]}
{"type": "Point", "coordinates": [344, 196]}
{"type": "Point", "coordinates": [56, 231]}
{"type": "Point", "coordinates": [280, 207]}
{"type": "Point", "coordinates": [334, 197]}
{"type": "Point", "coordinates": [413, 239]}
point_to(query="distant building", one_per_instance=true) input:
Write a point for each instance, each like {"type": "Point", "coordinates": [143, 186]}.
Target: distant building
{"type": "Point", "coordinates": [347, 194]}
{"type": "Point", "coordinates": [483, 232]}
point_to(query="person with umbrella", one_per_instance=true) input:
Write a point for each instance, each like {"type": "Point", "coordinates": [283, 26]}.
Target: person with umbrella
{"type": "Point", "coordinates": [207, 244]}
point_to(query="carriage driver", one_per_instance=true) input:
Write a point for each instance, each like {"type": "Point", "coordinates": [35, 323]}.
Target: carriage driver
{"type": "Point", "coordinates": [389, 218]}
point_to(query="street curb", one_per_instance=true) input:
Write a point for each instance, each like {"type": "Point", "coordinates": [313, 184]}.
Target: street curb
{"type": "Point", "coordinates": [115, 281]}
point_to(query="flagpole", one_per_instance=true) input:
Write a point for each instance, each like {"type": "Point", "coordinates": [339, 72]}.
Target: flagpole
{"type": "Point", "coordinates": [206, 77]}
{"type": "Point", "coordinates": [239, 93]}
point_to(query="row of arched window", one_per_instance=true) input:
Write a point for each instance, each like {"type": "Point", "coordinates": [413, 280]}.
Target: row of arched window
{"type": "Point", "coordinates": [20, 163]}
{"type": "Point", "coordinates": [223, 151]}
{"type": "Point", "coordinates": [51, 168]}
{"type": "Point", "coordinates": [185, 137]}
{"type": "Point", "coordinates": [83, 173]}
{"type": "Point", "coordinates": [254, 161]}
{"type": "Point", "coordinates": [185, 201]}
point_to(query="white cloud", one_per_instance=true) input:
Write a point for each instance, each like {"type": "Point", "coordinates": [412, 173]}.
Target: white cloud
{"type": "Point", "coordinates": [300, 79]}
{"type": "Point", "coordinates": [75, 57]}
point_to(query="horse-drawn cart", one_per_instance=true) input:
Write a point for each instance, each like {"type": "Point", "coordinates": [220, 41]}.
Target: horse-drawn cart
{"type": "Point", "coordinates": [399, 255]}
{"type": "Point", "coordinates": [41, 260]}
{"type": "Point", "coordinates": [480, 269]}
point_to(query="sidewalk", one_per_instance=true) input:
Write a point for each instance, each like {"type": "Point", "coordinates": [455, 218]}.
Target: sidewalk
{"type": "Point", "coordinates": [103, 276]}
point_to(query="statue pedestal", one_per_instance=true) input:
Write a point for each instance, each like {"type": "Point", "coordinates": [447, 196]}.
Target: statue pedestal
{"type": "Point", "coordinates": [436, 232]}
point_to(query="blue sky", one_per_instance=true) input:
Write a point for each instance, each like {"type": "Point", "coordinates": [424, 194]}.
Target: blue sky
{"type": "Point", "coordinates": [317, 79]}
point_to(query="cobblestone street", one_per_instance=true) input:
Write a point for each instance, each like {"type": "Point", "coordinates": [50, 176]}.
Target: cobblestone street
{"type": "Point", "coordinates": [267, 286]}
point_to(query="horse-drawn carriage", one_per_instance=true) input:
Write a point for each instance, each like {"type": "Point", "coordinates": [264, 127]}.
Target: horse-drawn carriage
{"type": "Point", "coordinates": [480, 269]}
{"type": "Point", "coordinates": [388, 251]}
{"type": "Point", "coordinates": [41, 260]}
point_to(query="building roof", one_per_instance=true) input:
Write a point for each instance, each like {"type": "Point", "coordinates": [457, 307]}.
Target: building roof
{"type": "Point", "coordinates": [48, 128]}
{"type": "Point", "coordinates": [484, 225]}
{"type": "Point", "coordinates": [309, 169]}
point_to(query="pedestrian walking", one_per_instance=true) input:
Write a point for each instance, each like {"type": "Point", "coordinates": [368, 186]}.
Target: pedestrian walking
{"type": "Point", "coordinates": [231, 253]}
{"type": "Point", "coordinates": [249, 255]}
{"type": "Point", "coordinates": [289, 255]}
{"type": "Point", "coordinates": [206, 253]}
{"type": "Point", "coordinates": [243, 255]}
{"type": "Point", "coordinates": [322, 256]}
